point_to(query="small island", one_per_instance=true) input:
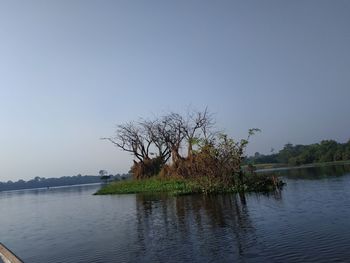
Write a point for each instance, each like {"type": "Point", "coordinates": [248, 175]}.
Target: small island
{"type": "Point", "coordinates": [184, 154]}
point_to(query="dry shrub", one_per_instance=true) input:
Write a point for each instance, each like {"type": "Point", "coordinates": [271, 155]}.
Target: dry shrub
{"type": "Point", "coordinates": [206, 167]}
{"type": "Point", "coordinates": [165, 171]}
{"type": "Point", "coordinates": [147, 168]}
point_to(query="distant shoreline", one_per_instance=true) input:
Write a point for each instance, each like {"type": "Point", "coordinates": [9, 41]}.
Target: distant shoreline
{"type": "Point", "coordinates": [50, 187]}
{"type": "Point", "coordinates": [281, 167]}
{"type": "Point", "coordinates": [42, 182]}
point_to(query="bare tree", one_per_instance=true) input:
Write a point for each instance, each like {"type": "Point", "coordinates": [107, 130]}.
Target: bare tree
{"type": "Point", "coordinates": [131, 138]}
{"type": "Point", "coordinates": [153, 142]}
{"type": "Point", "coordinates": [164, 135]}
{"type": "Point", "coordinates": [198, 126]}
{"type": "Point", "coordinates": [155, 130]}
{"type": "Point", "coordinates": [173, 133]}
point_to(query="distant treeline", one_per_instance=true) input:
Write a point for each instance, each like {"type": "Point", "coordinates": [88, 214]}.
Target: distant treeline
{"type": "Point", "coordinates": [325, 151]}
{"type": "Point", "coordinates": [40, 182]}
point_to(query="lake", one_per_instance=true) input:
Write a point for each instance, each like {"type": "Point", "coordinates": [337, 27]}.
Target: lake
{"type": "Point", "coordinates": [308, 221]}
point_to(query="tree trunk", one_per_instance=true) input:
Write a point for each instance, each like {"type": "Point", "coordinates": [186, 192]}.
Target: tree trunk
{"type": "Point", "coordinates": [189, 151]}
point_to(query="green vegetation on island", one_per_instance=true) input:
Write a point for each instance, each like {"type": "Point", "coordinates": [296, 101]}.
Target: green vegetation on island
{"type": "Point", "coordinates": [183, 154]}
{"type": "Point", "coordinates": [182, 186]}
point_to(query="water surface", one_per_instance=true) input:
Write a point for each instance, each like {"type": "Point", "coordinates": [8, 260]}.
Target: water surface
{"type": "Point", "coordinates": [309, 221]}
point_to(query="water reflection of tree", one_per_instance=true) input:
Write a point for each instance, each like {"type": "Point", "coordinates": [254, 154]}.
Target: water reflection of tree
{"type": "Point", "coordinates": [188, 227]}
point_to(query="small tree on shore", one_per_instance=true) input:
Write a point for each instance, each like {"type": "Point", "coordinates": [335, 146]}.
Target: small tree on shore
{"type": "Point", "coordinates": [104, 175]}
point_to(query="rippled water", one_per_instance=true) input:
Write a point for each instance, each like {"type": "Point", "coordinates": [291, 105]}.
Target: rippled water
{"type": "Point", "coordinates": [309, 221]}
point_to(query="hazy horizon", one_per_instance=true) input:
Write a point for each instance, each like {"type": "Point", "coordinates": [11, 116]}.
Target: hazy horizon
{"type": "Point", "coordinates": [72, 70]}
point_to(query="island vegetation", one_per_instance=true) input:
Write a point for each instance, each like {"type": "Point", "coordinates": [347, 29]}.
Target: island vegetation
{"type": "Point", "coordinates": [325, 152]}
{"type": "Point", "coordinates": [184, 154]}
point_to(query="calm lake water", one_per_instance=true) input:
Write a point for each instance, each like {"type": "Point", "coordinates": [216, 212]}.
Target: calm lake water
{"type": "Point", "coordinates": [308, 221]}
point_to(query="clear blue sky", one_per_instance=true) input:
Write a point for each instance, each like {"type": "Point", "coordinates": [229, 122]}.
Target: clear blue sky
{"type": "Point", "coordinates": [71, 70]}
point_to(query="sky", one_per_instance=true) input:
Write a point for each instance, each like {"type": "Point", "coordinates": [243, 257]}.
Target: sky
{"type": "Point", "coordinates": [70, 71]}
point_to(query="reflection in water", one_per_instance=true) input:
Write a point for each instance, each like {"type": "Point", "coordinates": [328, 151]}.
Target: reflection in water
{"type": "Point", "coordinates": [201, 227]}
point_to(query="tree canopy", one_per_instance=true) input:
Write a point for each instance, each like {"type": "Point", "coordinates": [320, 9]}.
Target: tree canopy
{"type": "Point", "coordinates": [325, 151]}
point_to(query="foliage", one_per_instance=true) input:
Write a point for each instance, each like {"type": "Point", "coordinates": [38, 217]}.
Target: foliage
{"type": "Point", "coordinates": [150, 185]}
{"type": "Point", "coordinates": [183, 186]}
{"type": "Point", "coordinates": [257, 182]}
{"type": "Point", "coordinates": [146, 168]}
{"type": "Point", "coordinates": [325, 151]}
